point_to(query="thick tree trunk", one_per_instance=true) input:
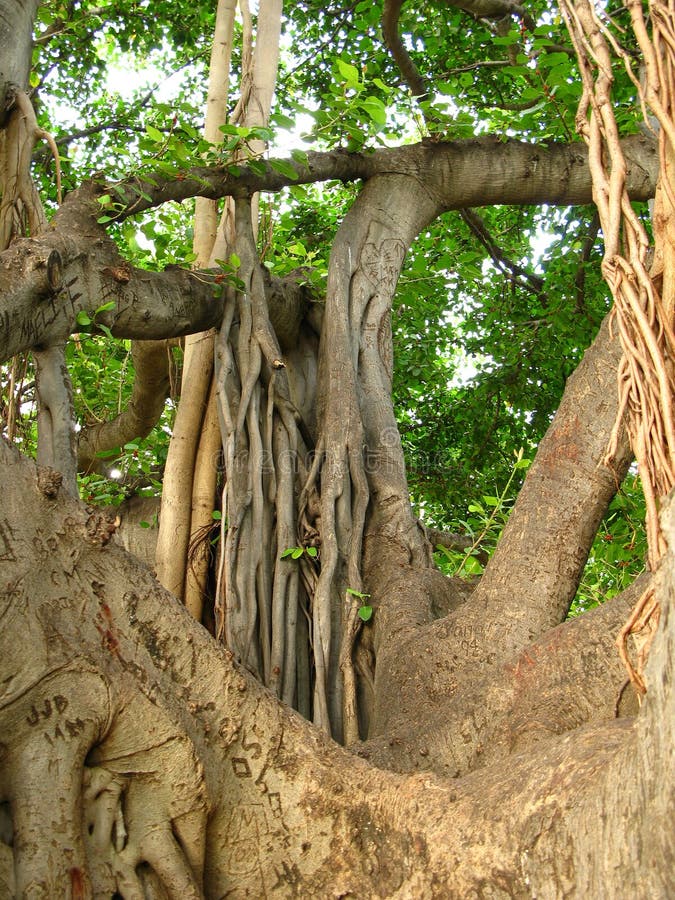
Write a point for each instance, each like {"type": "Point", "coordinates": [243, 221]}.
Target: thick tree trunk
{"type": "Point", "coordinates": [137, 756]}
{"type": "Point", "coordinates": [16, 40]}
{"type": "Point", "coordinates": [548, 536]}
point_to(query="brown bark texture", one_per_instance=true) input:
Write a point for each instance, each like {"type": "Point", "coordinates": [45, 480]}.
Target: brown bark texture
{"type": "Point", "coordinates": [492, 749]}
{"type": "Point", "coordinates": [139, 759]}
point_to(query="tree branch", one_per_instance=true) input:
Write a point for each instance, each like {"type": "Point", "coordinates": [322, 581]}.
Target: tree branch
{"type": "Point", "coordinates": [454, 171]}
{"type": "Point", "coordinates": [493, 9]}
{"type": "Point", "coordinates": [390, 17]}
{"type": "Point", "coordinates": [148, 305]}
{"type": "Point", "coordinates": [551, 687]}
{"type": "Point", "coordinates": [514, 272]}
{"type": "Point", "coordinates": [155, 305]}
{"type": "Point", "coordinates": [151, 388]}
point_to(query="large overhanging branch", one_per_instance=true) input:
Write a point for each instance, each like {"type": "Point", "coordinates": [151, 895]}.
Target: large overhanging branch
{"type": "Point", "coordinates": [480, 172]}
{"type": "Point", "coordinates": [45, 281]}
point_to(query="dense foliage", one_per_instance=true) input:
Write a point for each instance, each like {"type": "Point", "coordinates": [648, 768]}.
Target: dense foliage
{"type": "Point", "coordinates": [493, 311]}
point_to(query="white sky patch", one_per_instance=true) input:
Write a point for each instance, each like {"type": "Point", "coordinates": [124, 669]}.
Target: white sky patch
{"type": "Point", "coordinates": [126, 81]}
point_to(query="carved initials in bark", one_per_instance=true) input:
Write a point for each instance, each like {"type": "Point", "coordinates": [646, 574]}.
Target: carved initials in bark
{"type": "Point", "coordinates": [382, 264]}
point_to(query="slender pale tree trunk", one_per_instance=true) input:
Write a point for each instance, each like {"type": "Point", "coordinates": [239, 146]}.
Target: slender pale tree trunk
{"type": "Point", "coordinates": [185, 510]}
{"type": "Point", "coordinates": [191, 476]}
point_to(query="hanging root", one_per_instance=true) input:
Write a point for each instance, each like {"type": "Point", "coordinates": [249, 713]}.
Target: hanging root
{"type": "Point", "coordinates": [51, 143]}
{"type": "Point", "coordinates": [21, 210]}
{"type": "Point", "coordinates": [642, 625]}
{"type": "Point", "coordinates": [259, 595]}
{"type": "Point", "coordinates": [643, 299]}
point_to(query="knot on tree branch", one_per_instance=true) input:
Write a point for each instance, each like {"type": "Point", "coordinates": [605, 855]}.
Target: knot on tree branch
{"type": "Point", "coordinates": [49, 482]}
{"type": "Point", "coordinates": [12, 90]}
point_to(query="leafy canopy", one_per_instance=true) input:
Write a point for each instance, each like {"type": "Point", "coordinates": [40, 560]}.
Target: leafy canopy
{"type": "Point", "coordinates": [491, 315]}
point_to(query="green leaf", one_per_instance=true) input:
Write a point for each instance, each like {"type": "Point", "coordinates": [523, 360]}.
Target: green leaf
{"type": "Point", "coordinates": [311, 551]}
{"type": "Point", "coordinates": [365, 613]}
{"type": "Point", "coordinates": [262, 132]}
{"type": "Point", "coordinates": [296, 553]}
{"type": "Point", "coordinates": [284, 121]}
{"type": "Point", "coordinates": [257, 166]}
{"type": "Point", "coordinates": [472, 566]}
{"type": "Point", "coordinates": [349, 73]}
{"type": "Point", "coordinates": [283, 167]}
{"type": "Point", "coordinates": [287, 552]}
{"type": "Point", "coordinates": [82, 318]}
{"type": "Point", "coordinates": [382, 86]}
{"type": "Point", "coordinates": [154, 134]}
{"type": "Point", "coordinates": [216, 515]}
{"type": "Point", "coordinates": [300, 157]}
{"type": "Point", "coordinates": [375, 109]}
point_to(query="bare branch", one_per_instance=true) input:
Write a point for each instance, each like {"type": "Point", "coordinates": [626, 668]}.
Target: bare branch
{"type": "Point", "coordinates": [390, 17]}
{"type": "Point", "coordinates": [514, 272]}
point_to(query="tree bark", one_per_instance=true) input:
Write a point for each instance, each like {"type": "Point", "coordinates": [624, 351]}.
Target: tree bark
{"type": "Point", "coordinates": [16, 39]}
{"type": "Point", "coordinates": [224, 790]}
{"type": "Point", "coordinates": [453, 171]}
{"type": "Point", "coordinates": [533, 576]}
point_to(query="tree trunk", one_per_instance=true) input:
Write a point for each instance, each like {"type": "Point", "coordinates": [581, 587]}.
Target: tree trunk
{"type": "Point", "coordinates": [16, 40]}
{"type": "Point", "coordinates": [223, 790]}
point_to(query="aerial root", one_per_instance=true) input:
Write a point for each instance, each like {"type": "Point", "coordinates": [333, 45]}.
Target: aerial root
{"type": "Point", "coordinates": [641, 624]}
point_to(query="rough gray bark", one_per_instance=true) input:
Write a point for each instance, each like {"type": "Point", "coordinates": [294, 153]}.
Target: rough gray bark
{"type": "Point", "coordinates": [549, 533]}
{"type": "Point", "coordinates": [226, 791]}
{"type": "Point", "coordinates": [45, 282]}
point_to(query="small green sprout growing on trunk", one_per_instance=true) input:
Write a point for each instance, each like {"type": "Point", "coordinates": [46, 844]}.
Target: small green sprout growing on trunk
{"type": "Point", "coordinates": [296, 552]}
{"type": "Point", "coordinates": [365, 610]}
